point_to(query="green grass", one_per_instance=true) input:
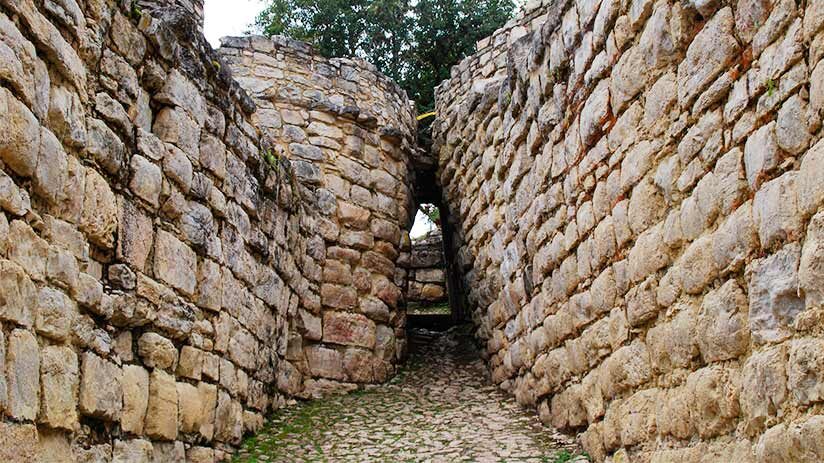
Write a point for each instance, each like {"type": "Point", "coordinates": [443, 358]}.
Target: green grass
{"type": "Point", "coordinates": [441, 308]}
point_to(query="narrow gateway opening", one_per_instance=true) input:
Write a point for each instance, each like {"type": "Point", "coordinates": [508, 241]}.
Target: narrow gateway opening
{"type": "Point", "coordinates": [427, 292]}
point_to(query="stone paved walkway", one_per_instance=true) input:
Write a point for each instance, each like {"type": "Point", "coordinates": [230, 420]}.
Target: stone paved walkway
{"type": "Point", "coordinates": [440, 408]}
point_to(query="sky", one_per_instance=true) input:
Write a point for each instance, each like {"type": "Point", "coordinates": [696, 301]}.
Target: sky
{"type": "Point", "coordinates": [228, 17]}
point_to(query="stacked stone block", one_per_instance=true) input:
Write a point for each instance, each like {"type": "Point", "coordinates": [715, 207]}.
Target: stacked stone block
{"type": "Point", "coordinates": [154, 257]}
{"type": "Point", "coordinates": [348, 132]}
{"type": "Point", "coordinates": [637, 189]}
{"type": "Point", "coordinates": [426, 271]}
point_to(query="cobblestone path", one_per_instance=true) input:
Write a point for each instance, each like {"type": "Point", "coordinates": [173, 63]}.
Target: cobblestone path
{"type": "Point", "coordinates": [439, 408]}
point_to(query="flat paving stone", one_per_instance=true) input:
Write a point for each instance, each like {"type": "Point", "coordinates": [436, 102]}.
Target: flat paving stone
{"type": "Point", "coordinates": [440, 407]}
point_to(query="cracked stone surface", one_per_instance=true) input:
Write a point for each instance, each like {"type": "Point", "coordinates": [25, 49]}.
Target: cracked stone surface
{"type": "Point", "coordinates": [441, 407]}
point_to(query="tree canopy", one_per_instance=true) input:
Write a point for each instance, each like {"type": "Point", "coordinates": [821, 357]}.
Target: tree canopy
{"type": "Point", "coordinates": [415, 42]}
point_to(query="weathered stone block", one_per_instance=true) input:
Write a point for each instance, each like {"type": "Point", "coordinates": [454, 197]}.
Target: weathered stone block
{"type": "Point", "coordinates": [20, 143]}
{"type": "Point", "coordinates": [101, 391]}
{"type": "Point", "coordinates": [55, 314]}
{"type": "Point", "coordinates": [175, 263]}
{"type": "Point", "coordinates": [348, 329]}
{"type": "Point", "coordinates": [157, 351]}
{"type": "Point", "coordinates": [714, 405]}
{"type": "Point", "coordinates": [135, 398]}
{"type": "Point", "coordinates": [59, 376]}
{"type": "Point", "coordinates": [775, 210]}
{"type": "Point", "coordinates": [763, 387]}
{"type": "Point", "coordinates": [28, 250]}
{"type": "Point", "coordinates": [805, 370]}
{"type": "Point", "coordinates": [162, 412]}
{"type": "Point", "coordinates": [99, 217]}
{"type": "Point", "coordinates": [133, 450]}
{"type": "Point", "coordinates": [722, 323]}
{"type": "Point", "coordinates": [773, 294]}
{"type": "Point", "coordinates": [18, 294]}
{"type": "Point", "coordinates": [325, 362]}
{"type": "Point", "coordinates": [811, 271]}
{"type": "Point", "coordinates": [23, 373]}
{"type": "Point", "coordinates": [228, 419]}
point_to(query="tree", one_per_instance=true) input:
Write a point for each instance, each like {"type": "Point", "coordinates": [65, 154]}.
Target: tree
{"type": "Point", "coordinates": [415, 42]}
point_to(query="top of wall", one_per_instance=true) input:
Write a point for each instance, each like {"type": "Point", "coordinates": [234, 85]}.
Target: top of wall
{"type": "Point", "coordinates": [283, 69]}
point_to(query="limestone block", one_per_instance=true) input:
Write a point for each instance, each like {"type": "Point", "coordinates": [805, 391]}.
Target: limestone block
{"type": "Point", "coordinates": [157, 351]}
{"type": "Point", "coordinates": [672, 413]}
{"type": "Point", "coordinates": [28, 250]}
{"type": "Point", "coordinates": [228, 419]}
{"type": "Point", "coordinates": [325, 362]}
{"type": "Point", "coordinates": [178, 168]}
{"type": "Point", "coordinates": [20, 143]}
{"type": "Point", "coordinates": [132, 451]}
{"type": "Point", "coordinates": [761, 154]}
{"type": "Point", "coordinates": [723, 324]}
{"type": "Point", "coordinates": [135, 233]}
{"type": "Point", "coordinates": [638, 417]}
{"type": "Point", "coordinates": [147, 180]}
{"type": "Point", "coordinates": [358, 364]}
{"type": "Point", "coordinates": [339, 297]}
{"type": "Point", "coordinates": [810, 189]}
{"type": "Point", "coordinates": [649, 254]}
{"type": "Point", "coordinates": [792, 128]}
{"type": "Point", "coordinates": [348, 329]}
{"type": "Point", "coordinates": [805, 370]}
{"type": "Point", "coordinates": [59, 376]}
{"type": "Point", "coordinates": [175, 263]}
{"type": "Point", "coordinates": [105, 146]}
{"type": "Point", "coordinates": [20, 442]}
{"type": "Point", "coordinates": [180, 91]}
{"type": "Point", "coordinates": [776, 212]}
{"type": "Point", "coordinates": [135, 398]}
{"type": "Point", "coordinates": [708, 55]}
{"type": "Point", "coordinates": [763, 387]}
{"type": "Point", "coordinates": [174, 126]}
{"type": "Point", "coordinates": [338, 272]}
{"type": "Point", "coordinates": [168, 451]}
{"type": "Point", "coordinates": [673, 345]}
{"type": "Point", "coordinates": [773, 294]}
{"type": "Point", "coordinates": [697, 266]}
{"type": "Point", "coordinates": [243, 349]}
{"type": "Point", "coordinates": [62, 268]}
{"type": "Point", "coordinates": [55, 314]}
{"type": "Point", "coordinates": [626, 368]}
{"type": "Point", "coordinates": [735, 239]}
{"type": "Point", "coordinates": [99, 217]}
{"type": "Point", "coordinates": [23, 373]}
{"type": "Point", "coordinates": [101, 391]}
{"type": "Point", "coordinates": [191, 363]}
{"type": "Point", "coordinates": [713, 395]}
{"type": "Point", "coordinates": [353, 216]}
{"type": "Point", "coordinates": [50, 177]}
{"type": "Point", "coordinates": [162, 412]}
{"type": "Point", "coordinates": [811, 271]}
{"type": "Point", "coordinates": [18, 294]}
{"type": "Point", "coordinates": [641, 303]}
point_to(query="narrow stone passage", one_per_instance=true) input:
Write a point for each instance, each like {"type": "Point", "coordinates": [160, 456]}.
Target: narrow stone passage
{"type": "Point", "coordinates": [439, 408]}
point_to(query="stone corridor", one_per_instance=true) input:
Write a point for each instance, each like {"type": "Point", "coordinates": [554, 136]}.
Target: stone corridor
{"type": "Point", "coordinates": [439, 408]}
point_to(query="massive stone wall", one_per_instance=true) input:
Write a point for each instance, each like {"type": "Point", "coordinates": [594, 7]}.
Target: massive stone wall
{"type": "Point", "coordinates": [349, 133]}
{"type": "Point", "coordinates": [162, 262]}
{"type": "Point", "coordinates": [637, 189]}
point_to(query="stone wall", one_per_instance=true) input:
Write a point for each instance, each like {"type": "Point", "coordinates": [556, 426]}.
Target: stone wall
{"type": "Point", "coordinates": [348, 132]}
{"type": "Point", "coordinates": [161, 260]}
{"type": "Point", "coordinates": [425, 271]}
{"type": "Point", "coordinates": [637, 189]}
